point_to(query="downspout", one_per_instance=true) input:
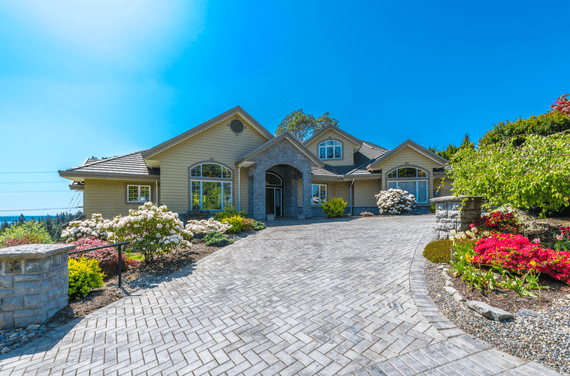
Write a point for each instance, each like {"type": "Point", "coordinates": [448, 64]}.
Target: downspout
{"type": "Point", "coordinates": [351, 206]}
{"type": "Point", "coordinates": [156, 187]}
{"type": "Point", "coordinates": [239, 188]}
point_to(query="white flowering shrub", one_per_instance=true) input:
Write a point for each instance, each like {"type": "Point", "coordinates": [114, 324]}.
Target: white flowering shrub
{"type": "Point", "coordinates": [201, 228]}
{"type": "Point", "coordinates": [151, 230]}
{"type": "Point", "coordinates": [96, 227]}
{"type": "Point", "coordinates": [395, 201]}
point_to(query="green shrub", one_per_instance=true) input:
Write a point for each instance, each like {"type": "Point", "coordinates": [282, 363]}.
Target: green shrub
{"type": "Point", "coordinates": [257, 226]}
{"type": "Point", "coordinates": [229, 212]}
{"type": "Point", "coordinates": [237, 224]}
{"type": "Point", "coordinates": [30, 232]}
{"type": "Point", "coordinates": [215, 239]}
{"type": "Point", "coordinates": [248, 224]}
{"type": "Point", "coordinates": [84, 275]}
{"type": "Point", "coordinates": [439, 251]}
{"type": "Point", "coordinates": [432, 208]}
{"type": "Point", "coordinates": [334, 207]}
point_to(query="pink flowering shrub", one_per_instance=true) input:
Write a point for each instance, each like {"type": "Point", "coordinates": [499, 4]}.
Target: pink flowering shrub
{"type": "Point", "coordinates": [108, 257]}
{"type": "Point", "coordinates": [499, 222]}
{"type": "Point", "coordinates": [517, 254]}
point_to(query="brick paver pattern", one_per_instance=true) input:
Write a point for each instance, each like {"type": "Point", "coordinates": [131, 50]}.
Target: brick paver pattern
{"type": "Point", "coordinates": [326, 298]}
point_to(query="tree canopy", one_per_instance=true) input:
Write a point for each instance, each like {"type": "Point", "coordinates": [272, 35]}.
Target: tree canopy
{"type": "Point", "coordinates": [525, 164]}
{"type": "Point", "coordinates": [451, 149]}
{"type": "Point", "coordinates": [303, 125]}
{"type": "Point", "coordinates": [545, 124]}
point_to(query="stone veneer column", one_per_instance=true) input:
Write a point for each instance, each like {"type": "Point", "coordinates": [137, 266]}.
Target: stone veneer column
{"type": "Point", "coordinates": [33, 283]}
{"type": "Point", "coordinates": [259, 208]}
{"type": "Point", "coordinates": [451, 215]}
{"type": "Point", "coordinates": [307, 194]}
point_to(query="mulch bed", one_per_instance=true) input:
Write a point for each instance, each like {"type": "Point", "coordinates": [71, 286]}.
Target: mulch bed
{"type": "Point", "coordinates": [509, 300]}
{"type": "Point", "coordinates": [109, 293]}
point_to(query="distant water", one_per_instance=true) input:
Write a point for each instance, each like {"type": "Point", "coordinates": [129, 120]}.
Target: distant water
{"type": "Point", "coordinates": [11, 219]}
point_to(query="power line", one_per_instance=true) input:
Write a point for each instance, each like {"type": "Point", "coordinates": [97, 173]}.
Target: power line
{"type": "Point", "coordinates": [24, 210]}
{"type": "Point", "coordinates": [27, 172]}
{"type": "Point", "coordinates": [67, 190]}
{"type": "Point", "coordinates": [31, 182]}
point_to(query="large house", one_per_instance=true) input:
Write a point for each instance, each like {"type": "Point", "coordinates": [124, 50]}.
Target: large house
{"type": "Point", "coordinates": [232, 160]}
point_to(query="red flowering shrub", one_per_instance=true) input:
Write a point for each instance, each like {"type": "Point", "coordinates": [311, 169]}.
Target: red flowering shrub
{"type": "Point", "coordinates": [499, 222]}
{"type": "Point", "coordinates": [565, 231]}
{"type": "Point", "coordinates": [11, 242]}
{"type": "Point", "coordinates": [516, 253]}
{"type": "Point", "coordinates": [107, 257]}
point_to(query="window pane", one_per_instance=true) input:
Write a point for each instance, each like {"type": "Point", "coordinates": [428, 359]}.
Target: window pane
{"type": "Point", "coordinates": [195, 195]}
{"type": "Point", "coordinates": [337, 152]}
{"type": "Point", "coordinates": [145, 193]}
{"type": "Point", "coordinates": [422, 192]}
{"type": "Point", "coordinates": [422, 174]}
{"type": "Point", "coordinates": [227, 194]}
{"type": "Point", "coordinates": [211, 170]}
{"type": "Point", "coordinates": [408, 186]}
{"type": "Point", "coordinates": [315, 194]}
{"type": "Point", "coordinates": [272, 179]}
{"type": "Point", "coordinates": [227, 173]}
{"type": "Point", "coordinates": [211, 195]}
{"type": "Point", "coordinates": [329, 152]}
{"type": "Point", "coordinates": [196, 171]}
{"type": "Point", "coordinates": [322, 152]}
{"type": "Point", "coordinates": [323, 189]}
{"type": "Point", "coordinates": [392, 184]}
{"type": "Point", "coordinates": [393, 174]}
{"type": "Point", "coordinates": [406, 172]}
{"type": "Point", "coordinates": [133, 194]}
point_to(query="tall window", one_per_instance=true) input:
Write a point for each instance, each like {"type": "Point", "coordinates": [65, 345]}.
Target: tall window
{"type": "Point", "coordinates": [210, 187]}
{"type": "Point", "coordinates": [330, 149]}
{"type": "Point", "coordinates": [319, 194]}
{"type": "Point", "coordinates": [410, 179]}
{"type": "Point", "coordinates": [138, 193]}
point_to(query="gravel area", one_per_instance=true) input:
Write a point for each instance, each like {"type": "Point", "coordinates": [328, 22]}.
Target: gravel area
{"type": "Point", "coordinates": [544, 338]}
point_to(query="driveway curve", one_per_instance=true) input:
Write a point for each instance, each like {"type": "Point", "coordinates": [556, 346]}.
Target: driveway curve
{"type": "Point", "coordinates": [323, 297]}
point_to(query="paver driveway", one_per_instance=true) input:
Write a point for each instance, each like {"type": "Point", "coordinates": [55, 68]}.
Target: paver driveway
{"type": "Point", "coordinates": [324, 298]}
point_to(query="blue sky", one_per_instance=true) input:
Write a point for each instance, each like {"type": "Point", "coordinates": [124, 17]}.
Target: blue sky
{"type": "Point", "coordinates": [104, 78]}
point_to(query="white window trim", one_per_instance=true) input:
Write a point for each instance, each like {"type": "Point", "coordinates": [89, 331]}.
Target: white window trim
{"type": "Point", "coordinates": [325, 146]}
{"type": "Point", "coordinates": [222, 182]}
{"type": "Point", "coordinates": [326, 194]}
{"type": "Point", "coordinates": [139, 193]}
{"type": "Point", "coordinates": [411, 180]}
{"type": "Point", "coordinates": [211, 177]}
{"type": "Point", "coordinates": [408, 177]}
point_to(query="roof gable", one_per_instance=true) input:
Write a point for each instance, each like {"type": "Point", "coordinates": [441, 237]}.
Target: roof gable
{"type": "Point", "coordinates": [288, 136]}
{"type": "Point", "coordinates": [333, 129]}
{"type": "Point", "coordinates": [416, 147]}
{"type": "Point", "coordinates": [204, 126]}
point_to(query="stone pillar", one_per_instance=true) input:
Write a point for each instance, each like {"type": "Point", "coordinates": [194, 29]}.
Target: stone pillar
{"type": "Point", "coordinates": [451, 214]}
{"type": "Point", "coordinates": [34, 282]}
{"type": "Point", "coordinates": [259, 209]}
{"type": "Point", "coordinates": [307, 194]}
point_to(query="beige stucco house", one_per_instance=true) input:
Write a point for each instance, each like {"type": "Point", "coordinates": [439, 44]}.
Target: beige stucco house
{"type": "Point", "coordinates": [232, 160]}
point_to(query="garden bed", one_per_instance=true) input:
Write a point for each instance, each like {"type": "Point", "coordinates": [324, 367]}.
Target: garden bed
{"type": "Point", "coordinates": [140, 277]}
{"type": "Point", "coordinates": [544, 338]}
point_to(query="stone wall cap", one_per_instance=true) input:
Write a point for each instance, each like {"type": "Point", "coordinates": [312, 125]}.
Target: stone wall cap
{"type": "Point", "coordinates": [34, 251]}
{"type": "Point", "coordinates": [452, 198]}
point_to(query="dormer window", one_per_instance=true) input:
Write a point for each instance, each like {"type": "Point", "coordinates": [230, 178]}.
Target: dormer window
{"type": "Point", "coordinates": [330, 149]}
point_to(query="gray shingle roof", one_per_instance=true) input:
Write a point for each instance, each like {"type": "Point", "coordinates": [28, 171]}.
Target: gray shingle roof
{"type": "Point", "coordinates": [128, 164]}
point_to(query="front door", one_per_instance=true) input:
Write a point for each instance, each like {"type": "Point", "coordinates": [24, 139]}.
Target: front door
{"type": "Point", "coordinates": [273, 201]}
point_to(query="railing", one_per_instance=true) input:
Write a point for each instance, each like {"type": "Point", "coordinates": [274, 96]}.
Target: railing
{"type": "Point", "coordinates": [116, 245]}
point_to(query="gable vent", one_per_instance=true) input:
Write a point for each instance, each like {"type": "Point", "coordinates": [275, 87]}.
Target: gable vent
{"type": "Point", "coordinates": [236, 126]}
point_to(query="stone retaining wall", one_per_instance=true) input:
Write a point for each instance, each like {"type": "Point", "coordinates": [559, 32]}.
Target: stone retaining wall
{"type": "Point", "coordinates": [33, 283]}
{"type": "Point", "coordinates": [451, 215]}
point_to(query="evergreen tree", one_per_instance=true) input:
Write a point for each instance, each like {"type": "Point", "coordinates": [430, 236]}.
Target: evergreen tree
{"type": "Point", "coordinates": [21, 219]}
